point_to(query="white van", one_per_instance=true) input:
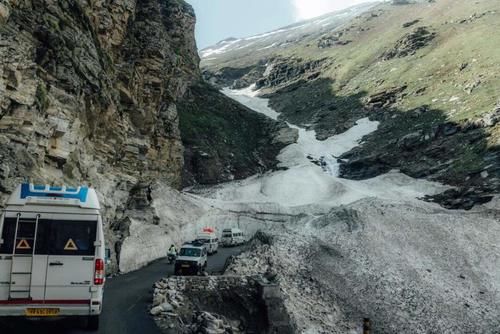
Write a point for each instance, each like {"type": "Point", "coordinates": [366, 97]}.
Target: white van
{"type": "Point", "coordinates": [52, 253]}
{"type": "Point", "coordinates": [232, 237]}
{"type": "Point", "coordinates": [209, 238]}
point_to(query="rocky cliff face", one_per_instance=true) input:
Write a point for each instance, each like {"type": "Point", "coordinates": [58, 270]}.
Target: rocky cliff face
{"type": "Point", "coordinates": [224, 141]}
{"type": "Point", "coordinates": [88, 95]}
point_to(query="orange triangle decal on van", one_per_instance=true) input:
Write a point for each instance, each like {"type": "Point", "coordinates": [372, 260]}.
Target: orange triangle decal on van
{"type": "Point", "coordinates": [70, 245]}
{"type": "Point", "coordinates": [23, 244]}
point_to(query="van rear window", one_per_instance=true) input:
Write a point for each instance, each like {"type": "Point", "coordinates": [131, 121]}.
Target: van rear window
{"type": "Point", "coordinates": [54, 237]}
{"type": "Point", "coordinates": [70, 238]}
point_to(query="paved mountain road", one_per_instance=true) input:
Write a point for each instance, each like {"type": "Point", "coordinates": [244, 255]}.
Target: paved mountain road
{"type": "Point", "coordinates": [126, 299]}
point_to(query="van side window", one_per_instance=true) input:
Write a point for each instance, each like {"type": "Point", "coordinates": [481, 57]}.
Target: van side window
{"type": "Point", "coordinates": [54, 236]}
{"type": "Point", "coordinates": [9, 231]}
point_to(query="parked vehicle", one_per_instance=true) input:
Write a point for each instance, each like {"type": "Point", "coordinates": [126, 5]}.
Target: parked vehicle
{"type": "Point", "coordinates": [52, 254]}
{"type": "Point", "coordinates": [209, 238]}
{"type": "Point", "coordinates": [232, 237]}
{"type": "Point", "coordinates": [191, 260]}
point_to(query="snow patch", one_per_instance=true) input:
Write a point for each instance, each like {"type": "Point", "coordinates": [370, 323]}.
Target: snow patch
{"type": "Point", "coordinates": [247, 97]}
{"type": "Point", "coordinates": [317, 184]}
{"type": "Point", "coordinates": [388, 249]}
{"type": "Point", "coordinates": [223, 47]}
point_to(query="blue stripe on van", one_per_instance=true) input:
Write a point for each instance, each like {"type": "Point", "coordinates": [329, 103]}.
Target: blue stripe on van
{"type": "Point", "coordinates": [70, 193]}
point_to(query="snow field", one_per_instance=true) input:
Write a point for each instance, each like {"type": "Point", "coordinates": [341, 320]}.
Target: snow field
{"type": "Point", "coordinates": [346, 249]}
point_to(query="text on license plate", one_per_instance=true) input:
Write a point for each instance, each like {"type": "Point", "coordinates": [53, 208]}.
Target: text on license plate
{"type": "Point", "coordinates": [42, 312]}
{"type": "Point", "coordinates": [185, 266]}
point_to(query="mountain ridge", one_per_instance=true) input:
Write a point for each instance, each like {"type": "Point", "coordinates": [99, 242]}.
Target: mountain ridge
{"type": "Point", "coordinates": [420, 69]}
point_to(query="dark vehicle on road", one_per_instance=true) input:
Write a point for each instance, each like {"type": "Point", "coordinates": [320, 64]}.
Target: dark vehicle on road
{"type": "Point", "coordinates": [191, 260]}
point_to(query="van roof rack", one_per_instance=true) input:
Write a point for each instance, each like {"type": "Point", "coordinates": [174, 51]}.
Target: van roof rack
{"type": "Point", "coordinates": [36, 194]}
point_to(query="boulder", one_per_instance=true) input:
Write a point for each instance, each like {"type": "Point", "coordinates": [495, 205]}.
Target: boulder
{"type": "Point", "coordinates": [492, 118]}
{"type": "Point", "coordinates": [449, 129]}
{"type": "Point", "coordinates": [364, 168]}
{"type": "Point", "coordinates": [464, 198]}
{"type": "Point", "coordinates": [156, 310]}
{"type": "Point", "coordinates": [410, 23]}
{"type": "Point", "coordinates": [286, 136]}
{"type": "Point", "coordinates": [4, 13]}
{"type": "Point", "coordinates": [332, 40]}
{"type": "Point", "coordinates": [284, 71]}
{"type": "Point", "coordinates": [166, 307]}
{"type": "Point", "coordinates": [385, 98]}
{"type": "Point", "coordinates": [411, 140]}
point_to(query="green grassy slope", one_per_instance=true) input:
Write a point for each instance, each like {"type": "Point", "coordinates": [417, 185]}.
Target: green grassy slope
{"type": "Point", "coordinates": [224, 140]}
{"type": "Point", "coordinates": [358, 66]}
{"type": "Point", "coordinates": [451, 82]}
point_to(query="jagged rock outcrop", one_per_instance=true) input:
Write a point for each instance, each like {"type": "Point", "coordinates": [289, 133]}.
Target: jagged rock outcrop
{"type": "Point", "coordinates": [284, 71]}
{"type": "Point", "coordinates": [225, 141]}
{"type": "Point", "coordinates": [410, 43]}
{"type": "Point", "coordinates": [385, 98]}
{"type": "Point", "coordinates": [88, 93]}
{"type": "Point", "coordinates": [455, 153]}
{"type": "Point", "coordinates": [410, 23]}
{"type": "Point", "coordinates": [332, 40]}
{"type": "Point", "coordinates": [235, 78]}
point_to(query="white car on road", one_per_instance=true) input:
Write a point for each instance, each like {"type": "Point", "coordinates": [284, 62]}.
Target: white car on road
{"type": "Point", "coordinates": [191, 260]}
{"type": "Point", "coordinates": [209, 238]}
{"type": "Point", "coordinates": [232, 237]}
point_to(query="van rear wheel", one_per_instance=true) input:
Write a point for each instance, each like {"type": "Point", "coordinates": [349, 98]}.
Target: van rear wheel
{"type": "Point", "coordinates": [93, 323]}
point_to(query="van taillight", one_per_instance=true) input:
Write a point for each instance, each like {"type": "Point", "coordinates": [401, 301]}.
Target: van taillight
{"type": "Point", "coordinates": [99, 272]}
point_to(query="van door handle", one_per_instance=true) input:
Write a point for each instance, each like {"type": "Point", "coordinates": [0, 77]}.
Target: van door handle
{"type": "Point", "coordinates": [56, 263]}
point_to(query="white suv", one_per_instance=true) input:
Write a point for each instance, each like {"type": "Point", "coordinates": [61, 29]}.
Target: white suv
{"type": "Point", "coordinates": [210, 240]}
{"type": "Point", "coordinates": [191, 260]}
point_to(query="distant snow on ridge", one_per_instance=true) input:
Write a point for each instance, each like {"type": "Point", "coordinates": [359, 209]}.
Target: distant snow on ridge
{"type": "Point", "coordinates": [282, 36]}
{"type": "Point", "coordinates": [220, 47]}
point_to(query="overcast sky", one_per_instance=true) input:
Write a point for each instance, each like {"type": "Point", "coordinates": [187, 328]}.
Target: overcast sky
{"type": "Point", "coordinates": [219, 19]}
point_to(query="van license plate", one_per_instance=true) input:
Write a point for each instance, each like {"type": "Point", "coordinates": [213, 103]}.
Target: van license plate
{"type": "Point", "coordinates": [185, 266]}
{"type": "Point", "coordinates": [42, 312]}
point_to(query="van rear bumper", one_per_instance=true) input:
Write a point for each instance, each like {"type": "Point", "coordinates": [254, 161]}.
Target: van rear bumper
{"type": "Point", "coordinates": [65, 310]}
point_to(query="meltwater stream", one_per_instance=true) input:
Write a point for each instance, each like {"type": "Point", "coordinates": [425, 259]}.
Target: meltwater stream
{"type": "Point", "coordinates": [311, 176]}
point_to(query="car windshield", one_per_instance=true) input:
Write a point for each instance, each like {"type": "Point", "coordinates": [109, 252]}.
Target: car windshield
{"type": "Point", "coordinates": [53, 237]}
{"type": "Point", "coordinates": [193, 252]}
{"type": "Point", "coordinates": [203, 241]}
